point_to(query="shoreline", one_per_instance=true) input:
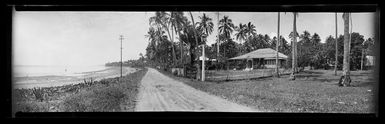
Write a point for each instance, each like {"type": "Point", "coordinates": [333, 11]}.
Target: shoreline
{"type": "Point", "coordinates": [109, 94]}
{"type": "Point", "coordinates": [54, 80]}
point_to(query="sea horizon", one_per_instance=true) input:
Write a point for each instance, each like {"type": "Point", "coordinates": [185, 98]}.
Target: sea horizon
{"type": "Point", "coordinates": [53, 70]}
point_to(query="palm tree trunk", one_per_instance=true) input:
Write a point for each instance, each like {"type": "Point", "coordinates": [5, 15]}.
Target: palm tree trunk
{"type": "Point", "coordinates": [346, 65]}
{"type": "Point", "coordinates": [218, 38]}
{"type": "Point", "coordinates": [362, 59]}
{"type": "Point", "coordinates": [294, 51]}
{"type": "Point", "coordinates": [172, 47]}
{"type": "Point", "coordinates": [277, 45]}
{"type": "Point", "coordinates": [196, 43]}
{"type": "Point", "coordinates": [336, 62]}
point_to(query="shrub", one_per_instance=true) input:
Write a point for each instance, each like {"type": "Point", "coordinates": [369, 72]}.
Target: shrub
{"type": "Point", "coordinates": [98, 99]}
{"type": "Point", "coordinates": [32, 106]}
{"type": "Point", "coordinates": [38, 93]}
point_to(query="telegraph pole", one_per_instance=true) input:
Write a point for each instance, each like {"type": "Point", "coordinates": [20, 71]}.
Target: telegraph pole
{"type": "Point", "coordinates": [121, 63]}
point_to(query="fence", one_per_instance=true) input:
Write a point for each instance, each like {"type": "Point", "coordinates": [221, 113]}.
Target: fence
{"type": "Point", "coordinates": [225, 75]}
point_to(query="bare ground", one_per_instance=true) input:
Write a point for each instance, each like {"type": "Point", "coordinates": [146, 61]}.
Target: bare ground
{"type": "Point", "coordinates": [158, 92]}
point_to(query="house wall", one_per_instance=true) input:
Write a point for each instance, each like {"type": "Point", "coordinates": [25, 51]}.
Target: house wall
{"type": "Point", "coordinates": [271, 63]}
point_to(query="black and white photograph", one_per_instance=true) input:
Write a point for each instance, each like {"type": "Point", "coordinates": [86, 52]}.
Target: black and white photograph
{"type": "Point", "coordinates": [194, 61]}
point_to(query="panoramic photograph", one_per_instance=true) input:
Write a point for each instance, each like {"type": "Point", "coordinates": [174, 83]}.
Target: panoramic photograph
{"type": "Point", "coordinates": [194, 61]}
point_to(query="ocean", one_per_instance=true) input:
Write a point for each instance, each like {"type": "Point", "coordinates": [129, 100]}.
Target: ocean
{"type": "Point", "coordinates": [45, 70]}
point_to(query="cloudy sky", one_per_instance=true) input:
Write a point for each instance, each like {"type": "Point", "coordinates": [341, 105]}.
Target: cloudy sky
{"type": "Point", "coordinates": [92, 38]}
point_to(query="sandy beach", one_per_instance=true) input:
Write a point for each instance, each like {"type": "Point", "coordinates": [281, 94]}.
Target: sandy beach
{"type": "Point", "coordinates": [49, 81]}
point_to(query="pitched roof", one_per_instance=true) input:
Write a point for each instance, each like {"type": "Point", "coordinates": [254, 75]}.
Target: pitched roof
{"type": "Point", "coordinates": [266, 53]}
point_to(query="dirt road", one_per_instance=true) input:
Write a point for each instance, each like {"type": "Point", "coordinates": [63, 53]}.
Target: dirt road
{"type": "Point", "coordinates": [161, 93]}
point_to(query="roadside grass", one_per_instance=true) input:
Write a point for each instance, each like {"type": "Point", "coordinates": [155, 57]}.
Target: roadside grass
{"type": "Point", "coordinates": [312, 91]}
{"type": "Point", "coordinates": [106, 95]}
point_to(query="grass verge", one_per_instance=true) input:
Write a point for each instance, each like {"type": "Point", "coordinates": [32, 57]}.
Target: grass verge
{"type": "Point", "coordinates": [312, 91]}
{"type": "Point", "coordinates": [106, 95]}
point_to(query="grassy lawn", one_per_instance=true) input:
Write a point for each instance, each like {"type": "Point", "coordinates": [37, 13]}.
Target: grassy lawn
{"type": "Point", "coordinates": [102, 96]}
{"type": "Point", "coordinates": [312, 91]}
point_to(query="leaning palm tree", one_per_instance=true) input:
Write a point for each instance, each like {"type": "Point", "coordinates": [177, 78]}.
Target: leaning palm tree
{"type": "Point", "coordinates": [177, 23]}
{"type": "Point", "coordinates": [163, 20]}
{"type": "Point", "coordinates": [345, 78]}
{"type": "Point", "coordinates": [294, 47]}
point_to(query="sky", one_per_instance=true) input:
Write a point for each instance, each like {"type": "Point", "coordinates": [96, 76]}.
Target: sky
{"type": "Point", "coordinates": [92, 38]}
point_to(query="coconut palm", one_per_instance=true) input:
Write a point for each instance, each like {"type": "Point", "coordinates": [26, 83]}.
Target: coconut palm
{"type": "Point", "coordinates": [196, 42]}
{"type": "Point", "coordinates": [346, 66]}
{"type": "Point", "coordinates": [163, 20]}
{"type": "Point", "coordinates": [277, 45]}
{"type": "Point", "coordinates": [205, 25]}
{"type": "Point", "coordinates": [226, 27]}
{"type": "Point", "coordinates": [336, 62]}
{"type": "Point", "coordinates": [241, 32]}
{"type": "Point", "coordinates": [177, 22]}
{"type": "Point", "coordinates": [294, 50]}
{"type": "Point", "coordinates": [250, 30]}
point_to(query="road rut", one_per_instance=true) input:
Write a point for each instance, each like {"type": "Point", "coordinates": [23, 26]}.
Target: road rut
{"type": "Point", "coordinates": [158, 92]}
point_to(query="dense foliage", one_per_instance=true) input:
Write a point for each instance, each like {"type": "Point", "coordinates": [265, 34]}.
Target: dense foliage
{"type": "Point", "coordinates": [311, 52]}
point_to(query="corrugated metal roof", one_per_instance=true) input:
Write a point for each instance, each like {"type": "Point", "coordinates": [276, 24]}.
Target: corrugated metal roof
{"type": "Point", "coordinates": [267, 53]}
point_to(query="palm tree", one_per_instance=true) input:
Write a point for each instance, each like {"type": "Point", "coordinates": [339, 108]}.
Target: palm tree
{"type": "Point", "coordinates": [294, 47]}
{"type": "Point", "coordinates": [178, 21]}
{"type": "Point", "coordinates": [336, 62]}
{"type": "Point", "coordinates": [196, 42]}
{"type": "Point", "coordinates": [241, 34]}
{"type": "Point", "coordinates": [277, 45]}
{"type": "Point", "coordinates": [241, 29]}
{"type": "Point", "coordinates": [205, 25]}
{"type": "Point", "coordinates": [346, 66]}
{"type": "Point", "coordinates": [250, 30]}
{"type": "Point", "coordinates": [163, 20]}
{"type": "Point", "coordinates": [218, 37]}
{"type": "Point", "coordinates": [226, 27]}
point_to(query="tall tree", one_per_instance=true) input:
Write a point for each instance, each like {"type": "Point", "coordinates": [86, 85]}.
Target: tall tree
{"type": "Point", "coordinates": [294, 51]}
{"type": "Point", "coordinates": [240, 35]}
{"type": "Point", "coordinates": [196, 42]}
{"type": "Point", "coordinates": [277, 44]}
{"type": "Point", "coordinates": [163, 19]}
{"type": "Point", "coordinates": [336, 42]}
{"type": "Point", "coordinates": [178, 21]}
{"type": "Point", "coordinates": [346, 66]}
{"type": "Point", "coordinates": [250, 30]}
{"type": "Point", "coordinates": [226, 27]}
{"type": "Point", "coordinates": [241, 32]}
{"type": "Point", "coordinates": [218, 37]}
{"type": "Point", "coordinates": [206, 25]}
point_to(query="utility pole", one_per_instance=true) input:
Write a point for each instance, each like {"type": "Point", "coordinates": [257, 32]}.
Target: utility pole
{"type": "Point", "coordinates": [121, 63]}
